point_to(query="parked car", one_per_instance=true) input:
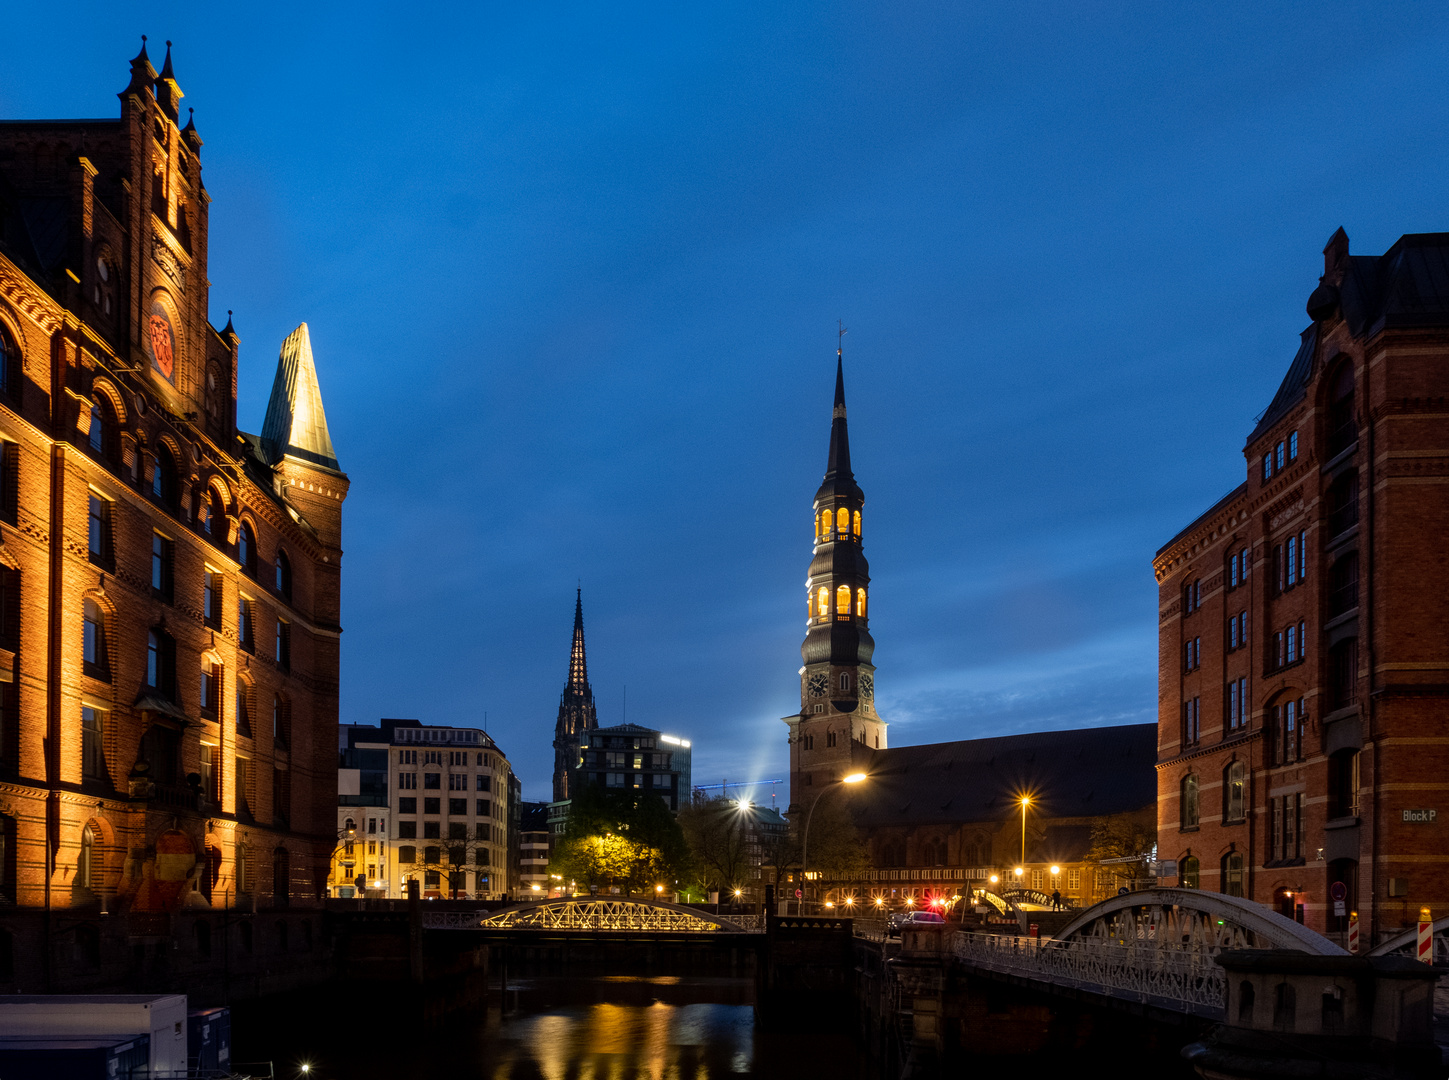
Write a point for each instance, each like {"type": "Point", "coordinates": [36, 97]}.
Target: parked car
{"type": "Point", "coordinates": [902, 919]}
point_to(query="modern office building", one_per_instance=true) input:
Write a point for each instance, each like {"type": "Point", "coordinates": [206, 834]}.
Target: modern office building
{"type": "Point", "coordinates": [1303, 661]}
{"type": "Point", "coordinates": [630, 757]}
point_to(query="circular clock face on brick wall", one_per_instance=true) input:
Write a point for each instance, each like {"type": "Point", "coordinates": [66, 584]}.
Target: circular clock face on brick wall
{"type": "Point", "coordinates": [867, 687]}
{"type": "Point", "coordinates": [818, 684]}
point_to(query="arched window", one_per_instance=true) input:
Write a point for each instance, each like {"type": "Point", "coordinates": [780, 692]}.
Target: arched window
{"type": "Point", "coordinates": [93, 653]}
{"type": "Point", "coordinates": [243, 708]}
{"type": "Point", "coordinates": [98, 428]}
{"type": "Point", "coordinates": [857, 523]}
{"type": "Point", "coordinates": [1189, 875]}
{"type": "Point", "coordinates": [842, 600]}
{"type": "Point", "coordinates": [1235, 785]}
{"type": "Point", "coordinates": [1189, 813]}
{"type": "Point", "coordinates": [822, 602]}
{"type": "Point", "coordinates": [350, 825]}
{"type": "Point", "coordinates": [163, 479]}
{"type": "Point", "coordinates": [283, 572]}
{"type": "Point", "coordinates": [860, 602]}
{"type": "Point", "coordinates": [246, 549]}
{"type": "Point", "coordinates": [1233, 873]}
{"type": "Point", "coordinates": [1342, 423]}
{"type": "Point", "coordinates": [825, 524]}
{"type": "Point", "coordinates": [817, 528]}
{"type": "Point", "coordinates": [9, 363]}
{"type": "Point", "coordinates": [215, 523]}
{"type": "Point", "coordinates": [86, 874]}
{"type": "Point", "coordinates": [845, 680]}
{"type": "Point", "coordinates": [842, 521]}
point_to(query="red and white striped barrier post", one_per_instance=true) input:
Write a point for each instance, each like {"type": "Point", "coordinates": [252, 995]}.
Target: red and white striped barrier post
{"type": "Point", "coordinates": [1426, 937]}
{"type": "Point", "coordinates": [1353, 933]}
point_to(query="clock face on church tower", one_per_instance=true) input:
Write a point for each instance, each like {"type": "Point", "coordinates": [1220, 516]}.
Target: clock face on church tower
{"type": "Point", "coordinates": [867, 687]}
{"type": "Point", "coordinates": [819, 682]}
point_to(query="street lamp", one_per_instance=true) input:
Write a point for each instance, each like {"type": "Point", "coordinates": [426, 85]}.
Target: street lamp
{"type": "Point", "coordinates": [852, 778]}
{"type": "Point", "coordinates": [1025, 802]}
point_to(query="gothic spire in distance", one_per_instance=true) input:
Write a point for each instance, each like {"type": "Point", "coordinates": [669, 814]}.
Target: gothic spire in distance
{"type": "Point", "coordinates": [576, 712]}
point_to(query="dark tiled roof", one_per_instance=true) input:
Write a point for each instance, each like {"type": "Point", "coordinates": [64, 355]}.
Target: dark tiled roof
{"type": "Point", "coordinates": [1079, 773]}
{"type": "Point", "coordinates": [1209, 512]}
{"type": "Point", "coordinates": [1294, 384]}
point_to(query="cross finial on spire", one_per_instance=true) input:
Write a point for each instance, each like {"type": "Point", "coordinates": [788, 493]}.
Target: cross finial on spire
{"type": "Point", "coordinates": [840, 337]}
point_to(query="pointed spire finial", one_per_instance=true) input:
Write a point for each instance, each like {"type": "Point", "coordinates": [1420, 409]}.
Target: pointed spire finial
{"type": "Point", "coordinates": [168, 92]}
{"type": "Point", "coordinates": [228, 329]}
{"type": "Point", "coordinates": [143, 75]}
{"type": "Point", "coordinates": [578, 660]}
{"type": "Point", "coordinates": [295, 424]}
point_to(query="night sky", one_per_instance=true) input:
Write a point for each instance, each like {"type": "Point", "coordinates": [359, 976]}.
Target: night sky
{"type": "Point", "coordinates": [573, 274]}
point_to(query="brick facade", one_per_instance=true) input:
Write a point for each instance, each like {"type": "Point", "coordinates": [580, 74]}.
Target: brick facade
{"type": "Point", "coordinates": [119, 405]}
{"type": "Point", "coordinates": [1304, 656]}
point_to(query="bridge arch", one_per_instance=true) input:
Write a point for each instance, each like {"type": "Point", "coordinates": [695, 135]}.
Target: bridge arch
{"type": "Point", "coordinates": [608, 913]}
{"type": "Point", "coordinates": [1407, 942]}
{"type": "Point", "coordinates": [1193, 919]}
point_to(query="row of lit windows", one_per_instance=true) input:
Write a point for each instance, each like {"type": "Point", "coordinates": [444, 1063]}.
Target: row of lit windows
{"type": "Point", "coordinates": [1281, 456]}
{"type": "Point", "coordinates": [1189, 873]}
{"type": "Point", "coordinates": [434, 781]}
{"type": "Point", "coordinates": [842, 602]}
{"type": "Point", "coordinates": [837, 523]}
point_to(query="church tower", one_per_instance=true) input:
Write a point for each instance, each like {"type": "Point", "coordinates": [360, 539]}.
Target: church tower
{"type": "Point", "coordinates": [837, 727]}
{"type": "Point", "coordinates": [576, 712]}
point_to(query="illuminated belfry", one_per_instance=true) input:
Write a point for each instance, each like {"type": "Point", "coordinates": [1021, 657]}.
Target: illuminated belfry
{"type": "Point", "coordinates": [837, 727]}
{"type": "Point", "coordinates": [576, 713]}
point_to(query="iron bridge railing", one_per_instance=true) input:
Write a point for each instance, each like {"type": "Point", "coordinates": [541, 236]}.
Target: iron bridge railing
{"type": "Point", "coordinates": [607, 915]}
{"type": "Point", "coordinates": [1146, 971]}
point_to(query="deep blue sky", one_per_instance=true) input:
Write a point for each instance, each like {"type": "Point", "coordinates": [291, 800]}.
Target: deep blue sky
{"type": "Point", "coordinates": [573, 274]}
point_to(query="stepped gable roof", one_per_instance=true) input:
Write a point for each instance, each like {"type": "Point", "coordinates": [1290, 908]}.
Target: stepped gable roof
{"type": "Point", "coordinates": [1084, 772]}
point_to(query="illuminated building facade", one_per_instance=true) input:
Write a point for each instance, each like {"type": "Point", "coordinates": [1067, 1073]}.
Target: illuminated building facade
{"type": "Point", "coordinates": [1303, 665]}
{"type": "Point", "coordinates": [837, 727]}
{"type": "Point", "coordinates": [576, 713]}
{"type": "Point", "coordinates": [169, 585]}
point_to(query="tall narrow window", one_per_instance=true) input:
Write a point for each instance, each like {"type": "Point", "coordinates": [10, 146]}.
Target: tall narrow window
{"type": "Point", "coordinates": [1291, 637]}
{"type": "Point", "coordinates": [1292, 566]}
{"type": "Point", "coordinates": [93, 754]}
{"type": "Point", "coordinates": [857, 523]}
{"type": "Point", "coordinates": [282, 569]}
{"type": "Point", "coordinates": [93, 649]}
{"type": "Point", "coordinates": [85, 871]}
{"type": "Point", "coordinates": [244, 629]}
{"type": "Point", "coordinates": [281, 795]}
{"type": "Point", "coordinates": [1278, 456]}
{"type": "Point", "coordinates": [860, 602]}
{"type": "Point", "coordinates": [1236, 784]}
{"type": "Point", "coordinates": [284, 644]}
{"type": "Point", "coordinates": [1233, 874]}
{"type": "Point", "coordinates": [1267, 466]}
{"type": "Point", "coordinates": [1189, 801]}
{"type": "Point", "coordinates": [1189, 873]}
{"type": "Point", "coordinates": [243, 710]}
{"type": "Point", "coordinates": [246, 549]}
{"type": "Point", "coordinates": [1233, 571]}
{"type": "Point", "coordinates": [243, 795]}
{"type": "Point", "coordinates": [103, 430]}
{"type": "Point", "coordinates": [842, 521]}
{"type": "Point", "coordinates": [842, 600]}
{"type": "Point", "coordinates": [825, 520]}
{"type": "Point", "coordinates": [9, 607]}
{"type": "Point", "coordinates": [211, 773]}
{"type": "Point", "coordinates": [1342, 420]}
{"type": "Point", "coordinates": [1290, 732]}
{"type": "Point", "coordinates": [1293, 446]}
{"type": "Point", "coordinates": [164, 485]}
{"type": "Point", "coordinates": [210, 688]}
{"type": "Point", "coordinates": [1233, 705]}
{"type": "Point", "coordinates": [161, 663]}
{"type": "Point", "coordinates": [211, 598]}
{"type": "Point", "coordinates": [9, 480]}
{"type": "Point", "coordinates": [822, 601]}
{"type": "Point", "coordinates": [1342, 501]}
{"type": "Point", "coordinates": [99, 531]}
{"type": "Point", "coordinates": [161, 560]}
{"type": "Point", "coordinates": [10, 364]}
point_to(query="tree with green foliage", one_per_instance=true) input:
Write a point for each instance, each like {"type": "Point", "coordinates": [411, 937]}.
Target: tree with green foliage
{"type": "Point", "coordinates": [716, 830]}
{"type": "Point", "coordinates": [837, 852]}
{"type": "Point", "coordinates": [624, 839]}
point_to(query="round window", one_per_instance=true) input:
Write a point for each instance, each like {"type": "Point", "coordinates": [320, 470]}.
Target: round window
{"type": "Point", "coordinates": [163, 343]}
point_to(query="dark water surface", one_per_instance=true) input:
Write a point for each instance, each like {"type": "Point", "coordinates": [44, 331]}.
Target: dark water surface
{"type": "Point", "coordinates": [560, 1028]}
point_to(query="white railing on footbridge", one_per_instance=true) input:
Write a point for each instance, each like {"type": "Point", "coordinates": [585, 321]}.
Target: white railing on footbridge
{"type": "Point", "coordinates": [1153, 947]}
{"type": "Point", "coordinates": [596, 914]}
{"type": "Point", "coordinates": [1181, 981]}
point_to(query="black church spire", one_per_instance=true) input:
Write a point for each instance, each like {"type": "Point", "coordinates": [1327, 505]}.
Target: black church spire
{"type": "Point", "coordinates": [576, 712]}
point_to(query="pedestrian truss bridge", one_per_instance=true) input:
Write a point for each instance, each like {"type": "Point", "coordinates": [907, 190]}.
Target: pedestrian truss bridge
{"type": "Point", "coordinates": [1153, 948]}
{"type": "Point", "coordinates": [596, 914]}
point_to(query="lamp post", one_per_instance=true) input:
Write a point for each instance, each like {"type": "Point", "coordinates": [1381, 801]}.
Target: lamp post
{"type": "Point", "coordinates": [853, 778]}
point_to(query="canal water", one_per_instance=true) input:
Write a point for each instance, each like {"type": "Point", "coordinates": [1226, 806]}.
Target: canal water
{"type": "Point", "coordinates": [562, 1028]}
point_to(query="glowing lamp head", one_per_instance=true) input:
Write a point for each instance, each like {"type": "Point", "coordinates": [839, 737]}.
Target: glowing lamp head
{"type": "Point", "coordinates": [1424, 915]}
{"type": "Point", "coordinates": [535, 888]}
{"type": "Point", "coordinates": [1056, 870]}
{"type": "Point", "coordinates": [853, 778]}
{"type": "Point", "coordinates": [659, 888]}
{"type": "Point", "coordinates": [879, 900]}
{"type": "Point", "coordinates": [739, 892]}
{"type": "Point", "coordinates": [1026, 800]}
{"type": "Point", "coordinates": [1019, 871]}
{"type": "Point", "coordinates": [910, 901]}
{"type": "Point", "coordinates": [829, 903]}
{"type": "Point", "coordinates": [849, 900]}
{"type": "Point", "coordinates": [994, 879]}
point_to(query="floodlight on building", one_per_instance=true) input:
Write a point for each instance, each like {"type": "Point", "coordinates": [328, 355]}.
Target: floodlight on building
{"type": "Point", "coordinates": [853, 778]}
